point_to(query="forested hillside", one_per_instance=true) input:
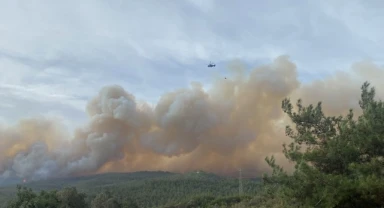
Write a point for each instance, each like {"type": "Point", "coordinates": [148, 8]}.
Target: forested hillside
{"type": "Point", "coordinates": [145, 189]}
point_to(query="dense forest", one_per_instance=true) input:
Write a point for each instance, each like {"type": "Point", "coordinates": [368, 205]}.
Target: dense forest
{"type": "Point", "coordinates": [339, 162]}
{"type": "Point", "coordinates": [139, 189]}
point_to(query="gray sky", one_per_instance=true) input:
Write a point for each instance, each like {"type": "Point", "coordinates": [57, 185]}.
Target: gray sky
{"type": "Point", "coordinates": [56, 55]}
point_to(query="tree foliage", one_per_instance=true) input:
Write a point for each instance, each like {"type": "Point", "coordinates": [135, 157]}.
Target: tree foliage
{"type": "Point", "coordinates": [338, 160]}
{"type": "Point", "coordinates": [178, 190]}
{"type": "Point", "coordinates": [70, 198]}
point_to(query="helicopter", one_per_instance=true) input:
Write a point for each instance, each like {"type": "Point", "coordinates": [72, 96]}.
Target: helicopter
{"type": "Point", "coordinates": [211, 64]}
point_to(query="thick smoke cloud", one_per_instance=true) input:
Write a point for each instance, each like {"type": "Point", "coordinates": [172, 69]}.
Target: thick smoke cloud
{"type": "Point", "coordinates": [235, 124]}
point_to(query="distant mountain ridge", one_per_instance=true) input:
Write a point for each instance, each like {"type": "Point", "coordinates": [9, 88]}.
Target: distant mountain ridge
{"type": "Point", "coordinates": [109, 178]}
{"type": "Point", "coordinates": [198, 174]}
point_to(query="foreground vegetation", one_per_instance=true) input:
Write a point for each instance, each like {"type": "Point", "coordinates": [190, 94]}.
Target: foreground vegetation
{"type": "Point", "coordinates": [140, 189]}
{"type": "Point", "coordinates": [339, 162]}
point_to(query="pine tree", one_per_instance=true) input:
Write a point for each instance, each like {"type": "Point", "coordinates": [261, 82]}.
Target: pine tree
{"type": "Point", "coordinates": [338, 160]}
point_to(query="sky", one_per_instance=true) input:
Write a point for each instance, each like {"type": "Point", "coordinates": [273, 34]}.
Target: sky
{"type": "Point", "coordinates": [56, 55]}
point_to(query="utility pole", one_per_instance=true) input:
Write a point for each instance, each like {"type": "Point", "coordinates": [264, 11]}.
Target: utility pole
{"type": "Point", "coordinates": [240, 183]}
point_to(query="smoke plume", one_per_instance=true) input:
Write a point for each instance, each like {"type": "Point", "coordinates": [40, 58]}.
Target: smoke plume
{"type": "Point", "coordinates": [235, 124]}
